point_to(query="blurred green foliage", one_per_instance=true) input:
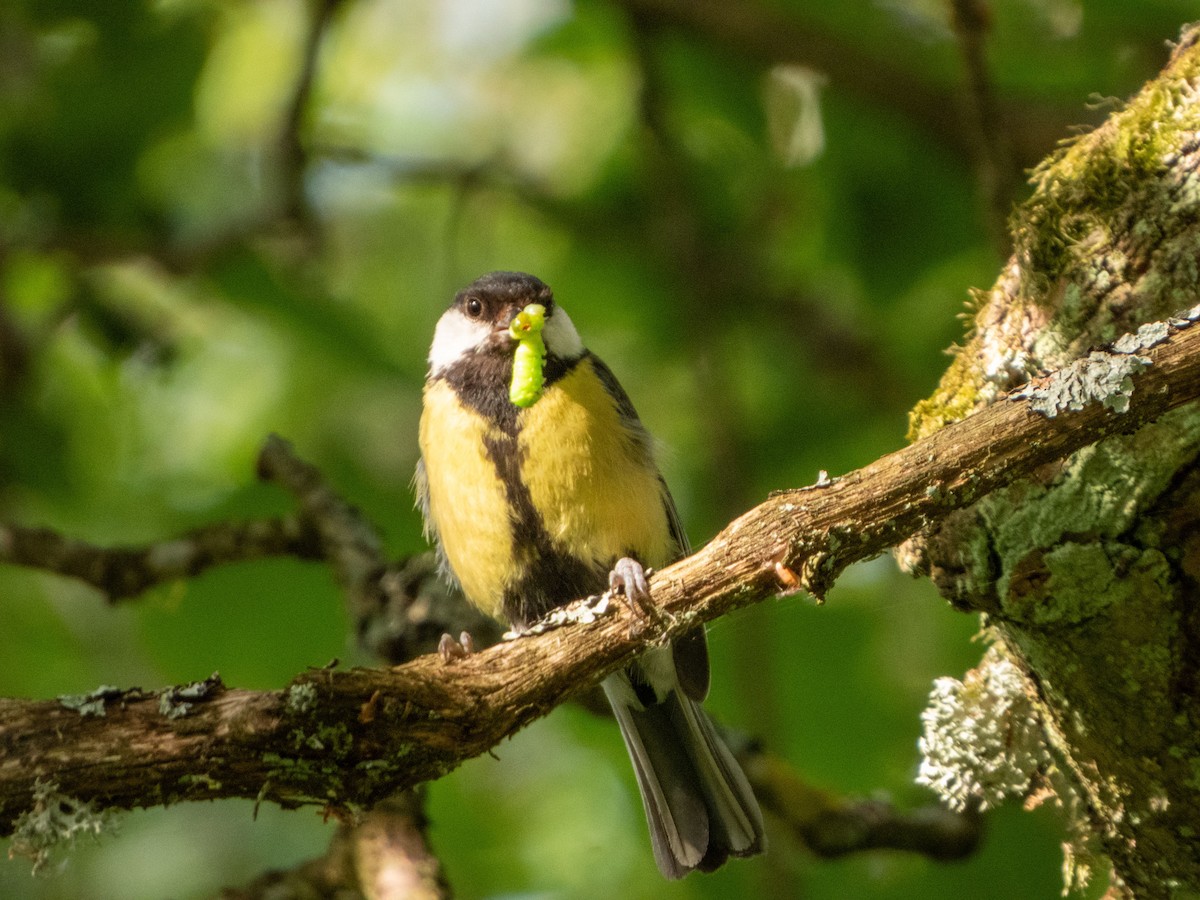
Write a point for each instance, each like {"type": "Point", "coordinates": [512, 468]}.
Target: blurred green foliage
{"type": "Point", "coordinates": [193, 254]}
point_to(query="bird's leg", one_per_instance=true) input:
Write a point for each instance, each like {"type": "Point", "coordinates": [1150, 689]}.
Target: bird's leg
{"type": "Point", "coordinates": [450, 649]}
{"type": "Point", "coordinates": [628, 577]}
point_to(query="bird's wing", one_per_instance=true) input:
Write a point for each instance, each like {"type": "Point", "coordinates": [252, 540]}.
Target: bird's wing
{"type": "Point", "coordinates": [690, 652]}
{"type": "Point", "coordinates": [677, 532]}
{"type": "Point", "coordinates": [421, 489]}
{"type": "Point", "coordinates": [629, 417]}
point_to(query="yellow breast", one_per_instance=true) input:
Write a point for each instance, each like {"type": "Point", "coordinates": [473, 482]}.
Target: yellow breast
{"type": "Point", "coordinates": [593, 483]}
{"type": "Point", "coordinates": [467, 502]}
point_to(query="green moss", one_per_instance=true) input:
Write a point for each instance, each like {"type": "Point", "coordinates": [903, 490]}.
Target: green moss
{"type": "Point", "coordinates": [956, 396]}
{"type": "Point", "coordinates": [334, 740]}
{"type": "Point", "coordinates": [205, 781]}
{"type": "Point", "coordinates": [1084, 183]}
{"type": "Point", "coordinates": [302, 778]}
{"type": "Point", "coordinates": [1079, 188]}
{"type": "Point", "coordinates": [380, 775]}
{"type": "Point", "coordinates": [324, 780]}
{"type": "Point", "coordinates": [1105, 185]}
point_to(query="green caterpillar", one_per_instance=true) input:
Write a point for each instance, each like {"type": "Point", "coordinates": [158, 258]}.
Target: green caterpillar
{"type": "Point", "coordinates": [527, 375]}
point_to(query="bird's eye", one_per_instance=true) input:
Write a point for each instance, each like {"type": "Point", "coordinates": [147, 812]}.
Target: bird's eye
{"type": "Point", "coordinates": [474, 307]}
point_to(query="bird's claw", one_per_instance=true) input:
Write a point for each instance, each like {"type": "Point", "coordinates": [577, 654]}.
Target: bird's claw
{"type": "Point", "coordinates": [628, 577]}
{"type": "Point", "coordinates": [450, 650]}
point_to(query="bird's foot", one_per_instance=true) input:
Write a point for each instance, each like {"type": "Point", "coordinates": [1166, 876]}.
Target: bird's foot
{"type": "Point", "coordinates": [629, 577]}
{"type": "Point", "coordinates": [450, 649]}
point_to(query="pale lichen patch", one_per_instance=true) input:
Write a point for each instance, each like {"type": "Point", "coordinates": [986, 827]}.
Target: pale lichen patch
{"type": "Point", "coordinates": [54, 820]}
{"type": "Point", "coordinates": [1149, 335]}
{"type": "Point", "coordinates": [1100, 377]}
{"type": "Point", "coordinates": [178, 701]}
{"type": "Point", "coordinates": [1076, 581]}
{"type": "Point", "coordinates": [93, 703]}
{"type": "Point", "coordinates": [1102, 490]}
{"type": "Point", "coordinates": [301, 698]}
{"type": "Point", "coordinates": [982, 740]}
{"type": "Point", "coordinates": [580, 612]}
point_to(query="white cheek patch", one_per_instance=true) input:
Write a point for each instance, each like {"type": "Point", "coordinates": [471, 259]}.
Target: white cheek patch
{"type": "Point", "coordinates": [560, 335]}
{"type": "Point", "coordinates": [455, 337]}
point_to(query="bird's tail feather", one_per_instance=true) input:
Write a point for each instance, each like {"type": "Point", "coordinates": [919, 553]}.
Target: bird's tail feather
{"type": "Point", "coordinates": [699, 806]}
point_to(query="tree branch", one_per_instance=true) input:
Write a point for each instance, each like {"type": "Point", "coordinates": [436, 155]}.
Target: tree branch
{"type": "Point", "coordinates": [831, 826]}
{"type": "Point", "coordinates": [399, 609]}
{"type": "Point", "coordinates": [350, 738]}
{"type": "Point", "coordinates": [292, 151]}
{"type": "Point", "coordinates": [124, 572]}
{"type": "Point", "coordinates": [386, 855]}
{"type": "Point", "coordinates": [998, 176]}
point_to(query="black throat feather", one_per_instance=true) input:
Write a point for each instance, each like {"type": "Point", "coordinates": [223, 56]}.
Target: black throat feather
{"type": "Point", "coordinates": [481, 379]}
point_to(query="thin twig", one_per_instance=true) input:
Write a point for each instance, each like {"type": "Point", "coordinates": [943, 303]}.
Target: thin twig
{"type": "Point", "coordinates": [770, 36]}
{"type": "Point", "coordinates": [124, 572]}
{"type": "Point", "coordinates": [992, 152]}
{"type": "Point", "coordinates": [293, 153]}
{"type": "Point", "coordinates": [832, 826]}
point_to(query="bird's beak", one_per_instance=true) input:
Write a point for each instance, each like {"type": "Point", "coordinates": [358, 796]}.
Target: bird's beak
{"type": "Point", "coordinates": [519, 322]}
{"type": "Point", "coordinates": [528, 322]}
{"type": "Point", "coordinates": [502, 334]}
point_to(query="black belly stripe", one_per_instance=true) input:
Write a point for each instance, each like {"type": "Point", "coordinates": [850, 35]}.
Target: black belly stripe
{"type": "Point", "coordinates": [545, 578]}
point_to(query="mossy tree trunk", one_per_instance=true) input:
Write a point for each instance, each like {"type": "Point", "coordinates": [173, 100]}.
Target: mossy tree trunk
{"type": "Point", "coordinates": [1088, 573]}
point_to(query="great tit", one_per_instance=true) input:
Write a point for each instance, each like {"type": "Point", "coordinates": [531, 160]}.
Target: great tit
{"type": "Point", "coordinates": [534, 494]}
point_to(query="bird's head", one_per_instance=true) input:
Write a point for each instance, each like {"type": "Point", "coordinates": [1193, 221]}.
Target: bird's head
{"type": "Point", "coordinates": [478, 330]}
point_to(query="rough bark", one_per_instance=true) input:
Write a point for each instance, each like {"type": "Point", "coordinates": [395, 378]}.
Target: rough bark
{"type": "Point", "coordinates": [1087, 573]}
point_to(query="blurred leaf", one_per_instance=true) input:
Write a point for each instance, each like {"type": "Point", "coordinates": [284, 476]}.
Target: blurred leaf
{"type": "Point", "coordinates": [119, 76]}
